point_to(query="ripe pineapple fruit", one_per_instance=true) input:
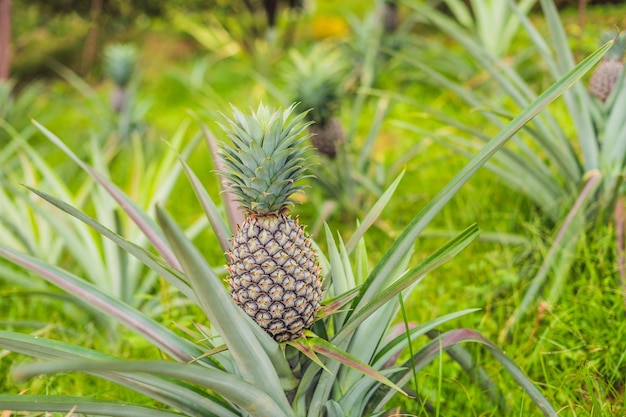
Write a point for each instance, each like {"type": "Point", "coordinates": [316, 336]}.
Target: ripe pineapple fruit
{"type": "Point", "coordinates": [607, 73]}
{"type": "Point", "coordinates": [315, 80]}
{"type": "Point", "coordinates": [274, 273]}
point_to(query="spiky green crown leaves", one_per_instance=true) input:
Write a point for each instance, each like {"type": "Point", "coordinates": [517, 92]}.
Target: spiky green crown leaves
{"type": "Point", "coordinates": [267, 158]}
{"type": "Point", "coordinates": [119, 63]}
{"type": "Point", "coordinates": [316, 79]}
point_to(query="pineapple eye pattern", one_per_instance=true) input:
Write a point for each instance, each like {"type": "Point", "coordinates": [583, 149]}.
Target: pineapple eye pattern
{"type": "Point", "coordinates": [283, 294]}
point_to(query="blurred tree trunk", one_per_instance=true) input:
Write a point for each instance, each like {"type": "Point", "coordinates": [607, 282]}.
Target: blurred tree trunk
{"type": "Point", "coordinates": [271, 10]}
{"type": "Point", "coordinates": [582, 9]}
{"type": "Point", "coordinates": [5, 38]}
{"type": "Point", "coordinates": [91, 42]}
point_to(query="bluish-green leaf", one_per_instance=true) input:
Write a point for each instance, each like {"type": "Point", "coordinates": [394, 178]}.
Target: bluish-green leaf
{"type": "Point", "coordinates": [250, 350]}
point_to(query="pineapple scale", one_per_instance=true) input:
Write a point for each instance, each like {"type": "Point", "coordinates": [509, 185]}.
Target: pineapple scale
{"type": "Point", "coordinates": [605, 77]}
{"type": "Point", "coordinates": [274, 275]}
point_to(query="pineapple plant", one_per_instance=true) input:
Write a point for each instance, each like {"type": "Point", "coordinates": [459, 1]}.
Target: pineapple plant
{"type": "Point", "coordinates": [315, 80]}
{"type": "Point", "coordinates": [274, 273]}
{"type": "Point", "coordinates": [229, 366]}
{"type": "Point", "coordinates": [605, 76]}
{"type": "Point", "coordinates": [119, 65]}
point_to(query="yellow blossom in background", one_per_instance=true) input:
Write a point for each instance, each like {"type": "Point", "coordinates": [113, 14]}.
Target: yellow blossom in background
{"type": "Point", "coordinates": [328, 26]}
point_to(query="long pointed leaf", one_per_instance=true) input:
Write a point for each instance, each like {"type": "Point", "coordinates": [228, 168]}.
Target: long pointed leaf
{"type": "Point", "coordinates": [444, 254]}
{"type": "Point", "coordinates": [373, 213]}
{"type": "Point", "coordinates": [210, 209]}
{"type": "Point", "coordinates": [146, 224]}
{"type": "Point", "coordinates": [249, 397]}
{"type": "Point", "coordinates": [230, 321]}
{"type": "Point", "coordinates": [329, 350]}
{"type": "Point", "coordinates": [564, 243]}
{"type": "Point", "coordinates": [433, 349]}
{"type": "Point", "coordinates": [93, 296]}
{"type": "Point", "coordinates": [140, 253]}
{"type": "Point", "coordinates": [78, 405]}
{"type": "Point", "coordinates": [424, 217]}
{"type": "Point", "coordinates": [170, 393]}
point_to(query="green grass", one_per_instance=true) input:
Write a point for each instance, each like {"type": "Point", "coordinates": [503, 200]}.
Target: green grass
{"type": "Point", "coordinates": [574, 350]}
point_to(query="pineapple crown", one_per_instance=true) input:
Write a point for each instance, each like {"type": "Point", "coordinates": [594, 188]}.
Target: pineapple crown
{"type": "Point", "coordinates": [267, 158]}
{"type": "Point", "coordinates": [316, 79]}
{"type": "Point", "coordinates": [119, 63]}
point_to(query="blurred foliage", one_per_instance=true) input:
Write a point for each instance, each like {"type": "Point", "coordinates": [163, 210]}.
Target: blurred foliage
{"type": "Point", "coordinates": [132, 9]}
{"type": "Point", "coordinates": [74, 33]}
{"type": "Point", "coordinates": [112, 8]}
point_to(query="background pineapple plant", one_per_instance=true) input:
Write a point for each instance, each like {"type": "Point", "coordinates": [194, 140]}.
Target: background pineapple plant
{"type": "Point", "coordinates": [274, 273]}
{"type": "Point", "coordinates": [120, 62]}
{"type": "Point", "coordinates": [316, 81]}
{"type": "Point", "coordinates": [608, 71]}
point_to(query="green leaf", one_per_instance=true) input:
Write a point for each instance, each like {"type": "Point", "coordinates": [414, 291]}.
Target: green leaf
{"type": "Point", "coordinates": [404, 243]}
{"type": "Point", "coordinates": [233, 325]}
{"type": "Point", "coordinates": [329, 350]}
{"type": "Point", "coordinates": [577, 100]}
{"type": "Point", "coordinates": [251, 398]}
{"type": "Point", "coordinates": [344, 334]}
{"type": "Point", "coordinates": [140, 253]}
{"type": "Point", "coordinates": [173, 394]}
{"type": "Point", "coordinates": [436, 259]}
{"type": "Point", "coordinates": [305, 346]}
{"type": "Point", "coordinates": [373, 213]}
{"type": "Point", "coordinates": [433, 349]}
{"type": "Point", "coordinates": [563, 247]}
{"type": "Point", "coordinates": [97, 299]}
{"type": "Point", "coordinates": [394, 347]}
{"type": "Point", "coordinates": [210, 209]}
{"type": "Point", "coordinates": [232, 206]}
{"type": "Point", "coordinates": [90, 406]}
{"type": "Point", "coordinates": [140, 218]}
{"type": "Point", "coordinates": [334, 305]}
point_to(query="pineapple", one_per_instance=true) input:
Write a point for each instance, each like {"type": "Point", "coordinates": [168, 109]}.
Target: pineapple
{"type": "Point", "coordinates": [607, 73]}
{"type": "Point", "coordinates": [388, 13]}
{"type": "Point", "coordinates": [274, 272]}
{"type": "Point", "coordinates": [315, 80]}
{"type": "Point", "coordinates": [120, 62]}
{"type": "Point", "coordinates": [325, 137]}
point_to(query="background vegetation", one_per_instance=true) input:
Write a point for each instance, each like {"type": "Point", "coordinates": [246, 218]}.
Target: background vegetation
{"type": "Point", "coordinates": [184, 63]}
